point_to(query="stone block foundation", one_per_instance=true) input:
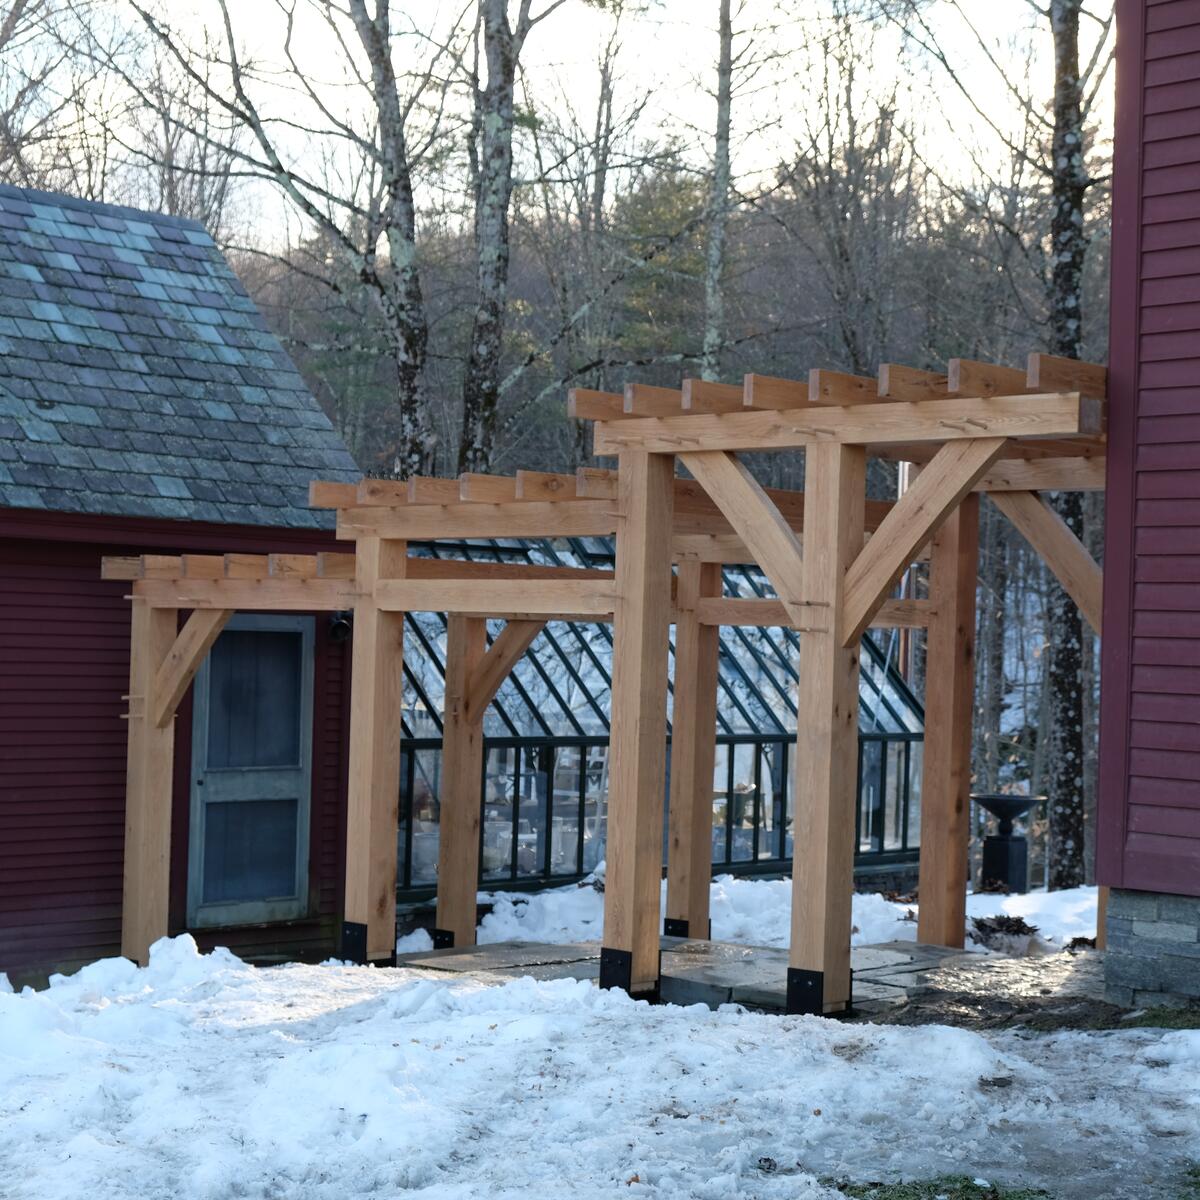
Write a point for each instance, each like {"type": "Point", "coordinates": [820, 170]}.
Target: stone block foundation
{"type": "Point", "coordinates": [1153, 955]}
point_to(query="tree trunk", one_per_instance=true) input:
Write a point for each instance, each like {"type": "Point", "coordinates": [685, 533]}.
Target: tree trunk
{"type": "Point", "coordinates": [481, 386]}
{"type": "Point", "coordinates": [718, 208]}
{"type": "Point", "coordinates": [1065, 776]}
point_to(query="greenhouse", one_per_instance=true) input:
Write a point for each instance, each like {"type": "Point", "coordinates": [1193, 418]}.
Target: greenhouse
{"type": "Point", "coordinates": [546, 742]}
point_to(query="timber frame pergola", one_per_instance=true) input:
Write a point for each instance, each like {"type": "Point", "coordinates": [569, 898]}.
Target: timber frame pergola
{"type": "Point", "coordinates": [832, 556]}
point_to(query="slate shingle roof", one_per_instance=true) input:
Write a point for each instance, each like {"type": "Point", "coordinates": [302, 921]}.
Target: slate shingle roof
{"type": "Point", "coordinates": [138, 379]}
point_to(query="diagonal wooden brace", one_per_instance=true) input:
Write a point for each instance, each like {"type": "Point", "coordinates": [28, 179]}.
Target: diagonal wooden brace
{"type": "Point", "coordinates": [179, 668]}
{"type": "Point", "coordinates": [951, 474]}
{"type": "Point", "coordinates": [497, 663]}
{"type": "Point", "coordinates": [1065, 555]}
{"type": "Point", "coordinates": [758, 522]}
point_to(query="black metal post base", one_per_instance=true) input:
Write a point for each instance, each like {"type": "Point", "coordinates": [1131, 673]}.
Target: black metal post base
{"type": "Point", "coordinates": [354, 942]}
{"type": "Point", "coordinates": [616, 971]}
{"type": "Point", "coordinates": [677, 927]}
{"type": "Point", "coordinates": [806, 994]}
{"type": "Point", "coordinates": [443, 939]}
{"type": "Point", "coordinates": [1006, 863]}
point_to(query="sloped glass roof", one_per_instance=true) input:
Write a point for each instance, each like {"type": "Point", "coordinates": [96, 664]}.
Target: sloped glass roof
{"type": "Point", "coordinates": [561, 687]}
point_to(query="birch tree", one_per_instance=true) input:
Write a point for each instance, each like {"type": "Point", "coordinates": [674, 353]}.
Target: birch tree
{"type": "Point", "coordinates": [718, 203]}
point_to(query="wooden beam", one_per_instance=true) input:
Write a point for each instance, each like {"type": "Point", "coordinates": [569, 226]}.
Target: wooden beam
{"type": "Point", "coordinates": [951, 474]}
{"type": "Point", "coordinates": [429, 490]}
{"type": "Point", "coordinates": [249, 595]}
{"type": "Point", "coordinates": [897, 382]}
{"type": "Point", "coordinates": [497, 595]}
{"type": "Point", "coordinates": [693, 751]}
{"type": "Point", "coordinates": [545, 485]}
{"type": "Point", "coordinates": [522, 518]}
{"type": "Point", "coordinates": [1045, 475]}
{"type": "Point", "coordinates": [966, 377]}
{"type": "Point", "coordinates": [460, 797]}
{"type": "Point", "coordinates": [323, 493]}
{"type": "Point", "coordinates": [949, 708]}
{"type": "Point", "coordinates": [825, 795]}
{"type": "Point", "coordinates": [871, 425]}
{"type": "Point", "coordinates": [383, 491]}
{"type": "Point", "coordinates": [161, 566]}
{"type": "Point", "coordinates": [702, 396]}
{"type": "Point", "coordinates": [1049, 373]}
{"type": "Point", "coordinates": [121, 566]}
{"type": "Point", "coordinates": [460, 568]}
{"type": "Point", "coordinates": [1066, 556]}
{"type": "Point", "coordinates": [766, 393]}
{"type": "Point", "coordinates": [335, 566]}
{"type": "Point", "coordinates": [637, 755]}
{"type": "Point", "coordinates": [176, 672]}
{"type": "Point", "coordinates": [584, 404]}
{"type": "Point", "coordinates": [1102, 917]}
{"type": "Point", "coordinates": [246, 566]}
{"type": "Point", "coordinates": [836, 387]}
{"type": "Point", "coordinates": [292, 566]}
{"type": "Point", "coordinates": [757, 522]}
{"type": "Point", "coordinates": [497, 663]}
{"type": "Point", "coordinates": [737, 610]}
{"type": "Point", "coordinates": [148, 780]}
{"type": "Point", "coordinates": [487, 489]}
{"type": "Point", "coordinates": [369, 931]}
{"type": "Point", "coordinates": [204, 566]}
{"type": "Point", "coordinates": [643, 400]}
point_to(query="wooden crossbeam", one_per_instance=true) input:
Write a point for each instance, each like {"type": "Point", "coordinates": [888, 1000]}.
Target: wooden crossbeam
{"type": "Point", "coordinates": [1045, 475]}
{"type": "Point", "coordinates": [544, 485]}
{"type": "Point", "coordinates": [766, 393]}
{"type": "Point", "coordinates": [882, 424]}
{"type": "Point", "coordinates": [836, 387]}
{"type": "Point", "coordinates": [161, 566]}
{"type": "Point", "coordinates": [121, 566]}
{"type": "Point", "coordinates": [1050, 373]}
{"type": "Point", "coordinates": [898, 382]}
{"type": "Point", "coordinates": [335, 566]}
{"type": "Point", "coordinates": [521, 518]}
{"type": "Point", "coordinates": [495, 596]}
{"type": "Point", "coordinates": [246, 566]}
{"type": "Point", "coordinates": [204, 566]}
{"type": "Point", "coordinates": [643, 400]}
{"type": "Point", "coordinates": [178, 669]}
{"type": "Point", "coordinates": [486, 489]}
{"type": "Point", "coordinates": [382, 491]}
{"type": "Point", "coordinates": [423, 490]}
{"type": "Point", "coordinates": [494, 667]}
{"type": "Point", "coordinates": [702, 396]}
{"type": "Point", "coordinates": [966, 377]}
{"type": "Point", "coordinates": [324, 493]}
{"type": "Point", "coordinates": [951, 474]}
{"type": "Point", "coordinates": [292, 566]}
{"type": "Point", "coordinates": [757, 521]}
{"type": "Point", "coordinates": [1065, 555]}
{"type": "Point", "coordinates": [584, 404]}
{"type": "Point", "coordinates": [257, 594]}
{"type": "Point", "coordinates": [770, 612]}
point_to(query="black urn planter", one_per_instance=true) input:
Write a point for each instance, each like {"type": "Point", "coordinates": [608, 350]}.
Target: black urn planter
{"type": "Point", "coordinates": [1005, 854]}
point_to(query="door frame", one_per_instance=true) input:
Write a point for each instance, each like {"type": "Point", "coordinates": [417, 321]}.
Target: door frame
{"type": "Point", "coordinates": [251, 912]}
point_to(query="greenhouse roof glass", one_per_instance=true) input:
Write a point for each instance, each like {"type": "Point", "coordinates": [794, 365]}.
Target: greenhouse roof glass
{"type": "Point", "coordinates": [561, 687]}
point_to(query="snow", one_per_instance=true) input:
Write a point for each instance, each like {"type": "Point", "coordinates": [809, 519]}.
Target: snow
{"type": "Point", "coordinates": [200, 1078]}
{"type": "Point", "coordinates": [758, 912]}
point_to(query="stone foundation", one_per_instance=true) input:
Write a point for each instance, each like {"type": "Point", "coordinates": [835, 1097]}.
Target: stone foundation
{"type": "Point", "coordinates": [1153, 955]}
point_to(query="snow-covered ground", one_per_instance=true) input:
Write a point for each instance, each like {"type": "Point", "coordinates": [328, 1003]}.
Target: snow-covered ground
{"type": "Point", "coordinates": [201, 1078]}
{"type": "Point", "coordinates": [757, 912]}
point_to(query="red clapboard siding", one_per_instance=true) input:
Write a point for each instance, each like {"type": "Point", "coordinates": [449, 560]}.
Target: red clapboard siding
{"type": "Point", "coordinates": [64, 667]}
{"type": "Point", "coordinates": [1149, 818]}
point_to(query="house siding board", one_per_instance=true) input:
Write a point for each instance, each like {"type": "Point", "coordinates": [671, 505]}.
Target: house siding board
{"type": "Point", "coordinates": [64, 668]}
{"type": "Point", "coordinates": [1149, 823]}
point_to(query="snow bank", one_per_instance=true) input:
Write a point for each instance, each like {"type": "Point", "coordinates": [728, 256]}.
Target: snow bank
{"type": "Point", "coordinates": [200, 1078]}
{"type": "Point", "coordinates": [758, 912]}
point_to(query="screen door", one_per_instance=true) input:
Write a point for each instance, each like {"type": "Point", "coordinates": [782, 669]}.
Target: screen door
{"type": "Point", "coordinates": [252, 774]}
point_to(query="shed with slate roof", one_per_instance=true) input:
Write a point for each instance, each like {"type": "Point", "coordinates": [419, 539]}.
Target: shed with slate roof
{"type": "Point", "coordinates": [146, 408]}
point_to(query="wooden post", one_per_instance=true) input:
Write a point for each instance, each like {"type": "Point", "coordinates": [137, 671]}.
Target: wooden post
{"type": "Point", "coordinates": [629, 956]}
{"type": "Point", "coordinates": [460, 799]}
{"type": "Point", "coordinates": [1102, 917]}
{"type": "Point", "coordinates": [825, 785]}
{"type": "Point", "coordinates": [148, 776]}
{"type": "Point", "coordinates": [949, 708]}
{"type": "Point", "coordinates": [369, 928]}
{"type": "Point", "coordinates": [693, 749]}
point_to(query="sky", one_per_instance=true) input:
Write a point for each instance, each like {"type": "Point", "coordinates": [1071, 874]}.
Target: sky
{"type": "Point", "coordinates": [667, 61]}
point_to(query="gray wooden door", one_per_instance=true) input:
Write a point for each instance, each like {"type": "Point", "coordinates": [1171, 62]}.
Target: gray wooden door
{"type": "Point", "coordinates": [252, 774]}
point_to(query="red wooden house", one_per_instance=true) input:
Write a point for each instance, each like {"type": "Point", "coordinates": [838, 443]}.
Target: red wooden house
{"type": "Point", "coordinates": [145, 408]}
{"type": "Point", "coordinates": [1149, 829]}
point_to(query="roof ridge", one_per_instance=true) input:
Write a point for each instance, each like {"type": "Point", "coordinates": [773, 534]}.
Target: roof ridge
{"type": "Point", "coordinates": [64, 200]}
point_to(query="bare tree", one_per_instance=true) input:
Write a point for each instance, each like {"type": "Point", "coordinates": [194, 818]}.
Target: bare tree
{"type": "Point", "coordinates": [493, 162]}
{"type": "Point", "coordinates": [349, 170]}
{"type": "Point", "coordinates": [718, 203]}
